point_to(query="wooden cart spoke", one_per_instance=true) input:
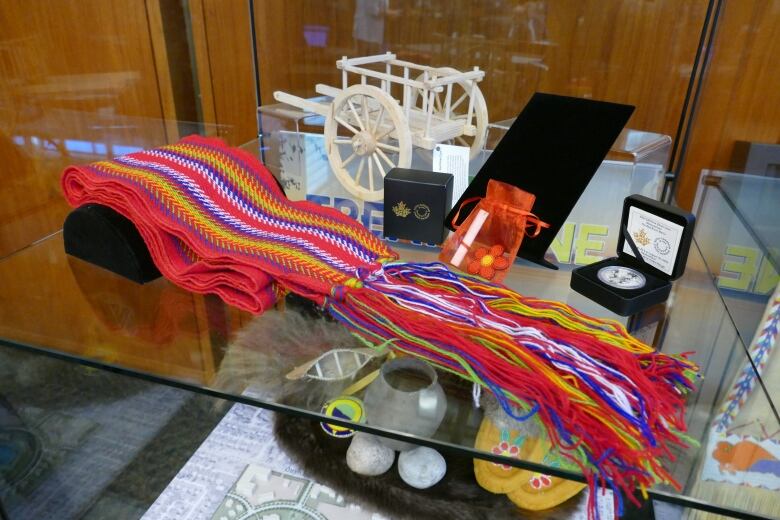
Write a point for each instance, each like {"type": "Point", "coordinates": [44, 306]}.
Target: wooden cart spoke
{"type": "Point", "coordinates": [385, 133]}
{"type": "Point", "coordinates": [370, 175]}
{"type": "Point", "coordinates": [378, 123]}
{"type": "Point", "coordinates": [384, 156]}
{"type": "Point", "coordinates": [460, 100]}
{"type": "Point", "coordinates": [389, 147]}
{"type": "Point", "coordinates": [437, 102]}
{"type": "Point", "coordinates": [378, 164]}
{"type": "Point", "coordinates": [360, 170]}
{"type": "Point", "coordinates": [348, 160]}
{"type": "Point", "coordinates": [346, 125]}
{"type": "Point", "coordinates": [366, 114]}
{"type": "Point", "coordinates": [354, 113]}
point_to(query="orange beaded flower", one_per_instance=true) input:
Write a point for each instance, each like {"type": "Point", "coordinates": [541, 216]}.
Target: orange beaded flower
{"type": "Point", "coordinates": [487, 261]}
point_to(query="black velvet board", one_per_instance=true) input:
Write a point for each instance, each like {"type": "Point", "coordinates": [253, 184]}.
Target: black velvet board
{"type": "Point", "coordinates": [103, 237]}
{"type": "Point", "coordinates": [552, 150]}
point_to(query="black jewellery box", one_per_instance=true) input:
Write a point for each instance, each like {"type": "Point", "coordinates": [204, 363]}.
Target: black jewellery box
{"type": "Point", "coordinates": [653, 249]}
{"type": "Point", "coordinates": [416, 203]}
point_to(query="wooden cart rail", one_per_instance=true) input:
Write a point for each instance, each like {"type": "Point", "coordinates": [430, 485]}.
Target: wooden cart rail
{"type": "Point", "coordinates": [368, 130]}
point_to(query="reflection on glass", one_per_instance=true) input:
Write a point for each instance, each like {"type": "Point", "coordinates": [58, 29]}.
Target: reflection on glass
{"type": "Point", "coordinates": [80, 83]}
{"type": "Point", "coordinates": [368, 28]}
{"type": "Point", "coordinates": [739, 242]}
{"type": "Point", "coordinates": [585, 50]}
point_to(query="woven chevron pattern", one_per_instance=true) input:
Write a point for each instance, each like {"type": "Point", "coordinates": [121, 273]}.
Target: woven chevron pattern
{"type": "Point", "coordinates": [212, 214]}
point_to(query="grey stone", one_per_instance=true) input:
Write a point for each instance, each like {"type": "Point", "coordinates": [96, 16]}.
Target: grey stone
{"type": "Point", "coordinates": [367, 456]}
{"type": "Point", "coordinates": [421, 467]}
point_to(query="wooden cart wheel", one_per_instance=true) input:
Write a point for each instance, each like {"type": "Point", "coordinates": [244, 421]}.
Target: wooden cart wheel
{"type": "Point", "coordinates": [461, 91]}
{"type": "Point", "coordinates": [366, 135]}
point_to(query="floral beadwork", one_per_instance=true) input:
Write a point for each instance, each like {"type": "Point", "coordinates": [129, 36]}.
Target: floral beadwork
{"type": "Point", "coordinates": [486, 261]}
{"type": "Point", "coordinates": [540, 481]}
{"type": "Point", "coordinates": [505, 448]}
{"type": "Point", "coordinates": [552, 458]}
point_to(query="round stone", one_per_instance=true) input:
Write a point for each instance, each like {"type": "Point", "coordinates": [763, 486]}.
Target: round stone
{"type": "Point", "coordinates": [421, 467]}
{"type": "Point", "coordinates": [367, 456]}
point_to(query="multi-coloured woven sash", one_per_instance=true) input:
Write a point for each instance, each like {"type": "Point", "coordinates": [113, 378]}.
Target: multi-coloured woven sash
{"type": "Point", "coordinates": [215, 221]}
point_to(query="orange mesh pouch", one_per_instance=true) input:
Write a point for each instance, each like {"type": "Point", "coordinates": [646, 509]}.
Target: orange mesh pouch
{"type": "Point", "coordinates": [487, 242]}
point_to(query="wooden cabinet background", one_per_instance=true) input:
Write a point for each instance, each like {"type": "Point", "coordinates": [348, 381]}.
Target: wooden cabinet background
{"type": "Point", "coordinates": [740, 94]}
{"type": "Point", "coordinates": [640, 52]}
{"type": "Point", "coordinates": [635, 52]}
{"type": "Point", "coordinates": [82, 80]}
{"type": "Point", "coordinates": [67, 68]}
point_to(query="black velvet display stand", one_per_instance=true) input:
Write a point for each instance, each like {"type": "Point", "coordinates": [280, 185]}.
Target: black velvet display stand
{"type": "Point", "coordinates": [552, 150]}
{"type": "Point", "coordinates": [99, 235]}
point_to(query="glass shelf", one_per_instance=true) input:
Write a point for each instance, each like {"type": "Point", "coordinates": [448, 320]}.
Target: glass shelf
{"type": "Point", "coordinates": [739, 235]}
{"type": "Point", "coordinates": [66, 308]}
{"type": "Point", "coordinates": [753, 200]}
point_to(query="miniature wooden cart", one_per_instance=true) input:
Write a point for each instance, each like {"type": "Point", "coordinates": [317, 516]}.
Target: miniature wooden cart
{"type": "Point", "coordinates": [368, 130]}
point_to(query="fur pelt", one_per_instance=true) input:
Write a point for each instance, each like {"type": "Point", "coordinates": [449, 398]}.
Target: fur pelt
{"type": "Point", "coordinates": [323, 457]}
{"type": "Point", "coordinates": [272, 345]}
{"type": "Point", "coordinates": [456, 497]}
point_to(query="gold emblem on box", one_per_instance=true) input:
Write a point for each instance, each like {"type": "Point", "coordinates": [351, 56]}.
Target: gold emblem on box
{"type": "Point", "coordinates": [641, 237]}
{"type": "Point", "coordinates": [401, 210]}
{"type": "Point", "coordinates": [422, 211]}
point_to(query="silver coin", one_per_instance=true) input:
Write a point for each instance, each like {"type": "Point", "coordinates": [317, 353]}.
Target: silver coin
{"type": "Point", "coordinates": [621, 277]}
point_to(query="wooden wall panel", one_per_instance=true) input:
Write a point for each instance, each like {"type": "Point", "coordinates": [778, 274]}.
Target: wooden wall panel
{"type": "Point", "coordinates": [740, 98]}
{"type": "Point", "coordinates": [637, 52]}
{"type": "Point", "coordinates": [60, 46]}
{"type": "Point", "coordinates": [223, 50]}
{"type": "Point", "coordinates": [286, 61]}
{"type": "Point", "coordinates": [77, 81]}
{"type": "Point", "coordinates": [155, 14]}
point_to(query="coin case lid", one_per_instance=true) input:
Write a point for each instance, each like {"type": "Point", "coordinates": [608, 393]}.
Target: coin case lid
{"type": "Point", "coordinates": [666, 212]}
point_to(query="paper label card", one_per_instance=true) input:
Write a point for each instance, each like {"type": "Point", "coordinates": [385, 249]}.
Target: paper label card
{"type": "Point", "coordinates": [656, 238]}
{"type": "Point", "coordinates": [453, 159]}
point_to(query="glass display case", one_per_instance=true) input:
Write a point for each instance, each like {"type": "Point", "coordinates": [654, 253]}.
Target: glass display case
{"type": "Point", "coordinates": [128, 400]}
{"type": "Point", "coordinates": [161, 335]}
{"type": "Point", "coordinates": [740, 243]}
